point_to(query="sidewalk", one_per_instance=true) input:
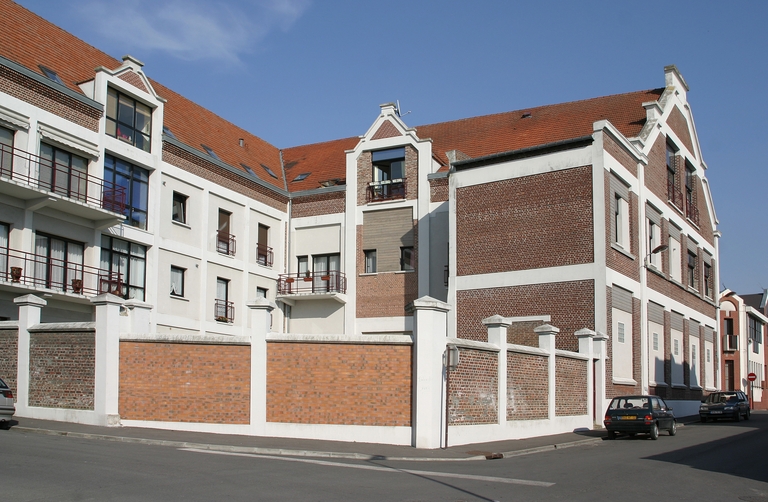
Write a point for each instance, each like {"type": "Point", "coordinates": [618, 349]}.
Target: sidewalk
{"type": "Point", "coordinates": [310, 447]}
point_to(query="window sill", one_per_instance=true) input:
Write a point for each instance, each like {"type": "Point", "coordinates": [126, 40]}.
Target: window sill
{"type": "Point", "coordinates": [624, 381]}
{"type": "Point", "coordinates": [404, 271]}
{"type": "Point", "coordinates": [623, 251]}
{"type": "Point", "coordinates": [368, 274]}
{"type": "Point", "coordinates": [181, 298]}
{"type": "Point", "coordinates": [678, 386]}
{"type": "Point", "coordinates": [181, 224]}
{"type": "Point", "coordinates": [658, 384]}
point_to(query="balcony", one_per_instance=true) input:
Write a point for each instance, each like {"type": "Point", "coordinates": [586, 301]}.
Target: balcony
{"type": "Point", "coordinates": [692, 212]}
{"type": "Point", "coordinates": [20, 268]}
{"type": "Point", "coordinates": [225, 243]}
{"type": "Point", "coordinates": [674, 195]}
{"type": "Point", "coordinates": [313, 285]}
{"type": "Point", "coordinates": [32, 178]}
{"type": "Point", "coordinates": [264, 255]}
{"type": "Point", "coordinates": [224, 311]}
{"type": "Point", "coordinates": [378, 191]}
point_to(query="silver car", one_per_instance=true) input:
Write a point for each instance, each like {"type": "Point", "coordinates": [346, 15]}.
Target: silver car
{"type": "Point", "coordinates": [7, 408]}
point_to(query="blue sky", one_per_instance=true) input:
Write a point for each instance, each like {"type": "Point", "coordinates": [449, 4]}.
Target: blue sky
{"type": "Point", "coordinates": [300, 71]}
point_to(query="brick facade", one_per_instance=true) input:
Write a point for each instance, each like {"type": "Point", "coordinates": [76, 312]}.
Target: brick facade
{"type": "Point", "coordinates": [438, 190]}
{"type": "Point", "coordinates": [318, 204]}
{"type": "Point", "coordinates": [571, 388]}
{"type": "Point", "coordinates": [179, 382]}
{"type": "Point", "coordinates": [527, 387]}
{"type": "Point", "coordinates": [618, 152]}
{"type": "Point", "coordinates": [343, 384]}
{"type": "Point", "coordinates": [473, 390]}
{"type": "Point", "coordinates": [62, 369]}
{"type": "Point", "coordinates": [679, 126]}
{"type": "Point", "coordinates": [133, 79]}
{"type": "Point", "coordinates": [365, 174]}
{"type": "Point", "coordinates": [9, 348]}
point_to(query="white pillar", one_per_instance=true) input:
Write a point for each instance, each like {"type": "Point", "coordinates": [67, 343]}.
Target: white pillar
{"type": "Point", "coordinates": [600, 347]}
{"type": "Point", "coordinates": [586, 347]}
{"type": "Point", "coordinates": [429, 335]}
{"type": "Point", "coordinates": [547, 334]}
{"type": "Point", "coordinates": [497, 335]}
{"type": "Point", "coordinates": [138, 314]}
{"type": "Point", "coordinates": [30, 307]}
{"type": "Point", "coordinates": [260, 309]}
{"type": "Point", "coordinates": [107, 351]}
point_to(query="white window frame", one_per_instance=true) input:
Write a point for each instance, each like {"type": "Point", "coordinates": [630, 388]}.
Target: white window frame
{"type": "Point", "coordinates": [621, 217]}
{"type": "Point", "coordinates": [622, 354]}
{"type": "Point", "coordinates": [675, 260]}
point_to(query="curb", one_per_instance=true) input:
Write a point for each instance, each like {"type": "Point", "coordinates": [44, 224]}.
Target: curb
{"type": "Point", "coordinates": [300, 453]}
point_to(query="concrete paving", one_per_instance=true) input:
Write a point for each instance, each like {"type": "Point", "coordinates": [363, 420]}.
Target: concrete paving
{"type": "Point", "coordinates": [309, 447]}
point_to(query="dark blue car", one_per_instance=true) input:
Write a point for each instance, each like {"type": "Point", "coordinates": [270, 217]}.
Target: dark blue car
{"type": "Point", "coordinates": [639, 414]}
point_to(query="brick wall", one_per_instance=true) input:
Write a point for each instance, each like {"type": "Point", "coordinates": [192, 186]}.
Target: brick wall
{"type": "Point", "coordinates": [656, 170]}
{"type": "Point", "coordinates": [615, 259]}
{"type": "Point", "coordinates": [473, 391]}
{"type": "Point", "coordinates": [179, 382]}
{"type": "Point", "coordinates": [365, 174]}
{"type": "Point", "coordinates": [570, 304]}
{"type": "Point", "coordinates": [617, 151]}
{"type": "Point", "coordinates": [134, 79]}
{"type": "Point", "coordinates": [35, 93]}
{"type": "Point", "coordinates": [315, 205]}
{"type": "Point", "coordinates": [679, 125]}
{"type": "Point", "coordinates": [680, 294]}
{"type": "Point", "coordinates": [438, 190]}
{"type": "Point", "coordinates": [544, 220]}
{"type": "Point", "coordinates": [527, 387]}
{"type": "Point", "coordinates": [62, 368]}
{"type": "Point", "coordinates": [9, 350]}
{"type": "Point", "coordinates": [571, 386]}
{"type": "Point", "coordinates": [342, 384]}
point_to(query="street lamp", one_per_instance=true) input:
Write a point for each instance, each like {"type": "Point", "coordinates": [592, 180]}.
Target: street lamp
{"type": "Point", "coordinates": [656, 250]}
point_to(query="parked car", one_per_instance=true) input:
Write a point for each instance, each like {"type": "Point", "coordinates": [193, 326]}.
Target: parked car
{"type": "Point", "coordinates": [7, 408]}
{"type": "Point", "coordinates": [639, 414]}
{"type": "Point", "coordinates": [728, 404]}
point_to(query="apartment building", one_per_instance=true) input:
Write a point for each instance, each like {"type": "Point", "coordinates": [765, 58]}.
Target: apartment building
{"type": "Point", "coordinates": [486, 278]}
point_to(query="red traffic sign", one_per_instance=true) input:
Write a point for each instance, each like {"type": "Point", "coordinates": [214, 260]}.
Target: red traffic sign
{"type": "Point", "coordinates": [751, 377]}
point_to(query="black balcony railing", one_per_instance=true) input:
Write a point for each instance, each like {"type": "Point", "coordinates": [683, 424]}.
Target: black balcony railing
{"type": "Point", "coordinates": [385, 190]}
{"type": "Point", "coordinates": [674, 194]}
{"type": "Point", "coordinates": [692, 212]}
{"type": "Point", "coordinates": [224, 311]}
{"type": "Point", "coordinates": [331, 281]}
{"type": "Point", "coordinates": [22, 268]}
{"type": "Point", "coordinates": [264, 255]}
{"type": "Point", "coordinates": [225, 243]}
{"type": "Point", "coordinates": [41, 173]}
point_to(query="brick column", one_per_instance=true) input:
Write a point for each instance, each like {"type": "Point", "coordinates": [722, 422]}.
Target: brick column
{"type": "Point", "coordinates": [547, 334]}
{"type": "Point", "coordinates": [260, 310]}
{"type": "Point", "coordinates": [30, 307]}
{"type": "Point", "coordinates": [497, 335]}
{"type": "Point", "coordinates": [586, 347]}
{"type": "Point", "coordinates": [429, 335]}
{"type": "Point", "coordinates": [107, 351]}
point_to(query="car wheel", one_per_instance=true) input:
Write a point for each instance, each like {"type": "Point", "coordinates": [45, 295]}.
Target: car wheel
{"type": "Point", "coordinates": [5, 425]}
{"type": "Point", "coordinates": [655, 431]}
{"type": "Point", "coordinates": [673, 429]}
{"type": "Point", "coordinates": [611, 434]}
{"type": "Point", "coordinates": [746, 417]}
{"type": "Point", "coordinates": [703, 420]}
{"type": "Point", "coordinates": [737, 417]}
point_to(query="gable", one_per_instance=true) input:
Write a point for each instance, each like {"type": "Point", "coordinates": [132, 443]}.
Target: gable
{"type": "Point", "coordinates": [679, 125]}
{"type": "Point", "coordinates": [386, 130]}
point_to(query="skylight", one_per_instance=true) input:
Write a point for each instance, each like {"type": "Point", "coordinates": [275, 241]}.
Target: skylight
{"type": "Point", "coordinates": [269, 171]}
{"type": "Point", "coordinates": [168, 132]}
{"type": "Point", "coordinates": [250, 171]}
{"type": "Point", "coordinates": [302, 176]}
{"type": "Point", "coordinates": [51, 74]}
{"type": "Point", "coordinates": [210, 151]}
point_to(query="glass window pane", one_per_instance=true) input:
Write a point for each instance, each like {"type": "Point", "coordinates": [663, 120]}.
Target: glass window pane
{"type": "Point", "coordinates": [112, 104]}
{"type": "Point", "coordinates": [139, 194]}
{"type": "Point", "coordinates": [137, 272]}
{"type": "Point", "coordinates": [138, 250]}
{"type": "Point", "coordinates": [125, 111]}
{"type": "Point", "coordinates": [143, 118]}
{"type": "Point", "coordinates": [138, 219]}
{"type": "Point", "coordinates": [120, 245]}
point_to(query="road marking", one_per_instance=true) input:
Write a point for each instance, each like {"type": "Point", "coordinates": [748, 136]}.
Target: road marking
{"type": "Point", "coordinates": [491, 479]}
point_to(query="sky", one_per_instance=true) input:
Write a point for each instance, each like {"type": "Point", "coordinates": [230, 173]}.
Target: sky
{"type": "Point", "coordinates": [295, 72]}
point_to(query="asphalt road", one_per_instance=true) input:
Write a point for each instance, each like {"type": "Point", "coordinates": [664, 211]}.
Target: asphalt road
{"type": "Point", "coordinates": [720, 461]}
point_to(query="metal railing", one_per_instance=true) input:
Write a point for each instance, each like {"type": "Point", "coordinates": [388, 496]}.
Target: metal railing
{"type": "Point", "coordinates": [224, 311]}
{"type": "Point", "coordinates": [692, 212]}
{"type": "Point", "coordinates": [674, 194]}
{"type": "Point", "coordinates": [385, 190]}
{"type": "Point", "coordinates": [225, 243]}
{"type": "Point", "coordinates": [44, 174]}
{"type": "Point", "coordinates": [29, 269]}
{"type": "Point", "coordinates": [264, 255]}
{"type": "Point", "coordinates": [331, 281]}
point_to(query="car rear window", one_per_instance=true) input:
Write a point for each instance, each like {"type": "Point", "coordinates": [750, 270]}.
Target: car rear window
{"type": "Point", "coordinates": [628, 403]}
{"type": "Point", "coordinates": [2, 384]}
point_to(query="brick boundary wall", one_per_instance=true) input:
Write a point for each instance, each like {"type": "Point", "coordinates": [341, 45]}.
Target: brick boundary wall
{"type": "Point", "coordinates": [185, 382]}
{"type": "Point", "coordinates": [9, 353]}
{"type": "Point", "coordinates": [35, 93]}
{"type": "Point", "coordinates": [473, 390]}
{"type": "Point", "coordinates": [62, 370]}
{"type": "Point", "coordinates": [527, 386]}
{"type": "Point", "coordinates": [571, 389]}
{"type": "Point", "coordinates": [340, 384]}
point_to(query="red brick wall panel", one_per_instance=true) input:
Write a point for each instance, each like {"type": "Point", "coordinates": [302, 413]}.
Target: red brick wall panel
{"type": "Point", "coordinates": [474, 389]}
{"type": "Point", "coordinates": [615, 259]}
{"type": "Point", "coordinates": [343, 384]}
{"type": "Point", "coordinates": [617, 151]}
{"type": "Point", "coordinates": [570, 386]}
{"type": "Point", "coordinates": [679, 125]}
{"type": "Point", "coordinates": [543, 220]}
{"type": "Point", "coordinates": [62, 369]}
{"type": "Point", "coordinates": [133, 79]}
{"type": "Point", "coordinates": [438, 190]}
{"type": "Point", "coordinates": [527, 387]}
{"type": "Point", "coordinates": [9, 351]}
{"type": "Point", "coordinates": [318, 204]}
{"type": "Point", "coordinates": [178, 382]}
{"type": "Point", "coordinates": [365, 174]}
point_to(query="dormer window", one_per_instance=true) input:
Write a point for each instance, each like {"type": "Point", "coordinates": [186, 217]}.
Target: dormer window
{"type": "Point", "coordinates": [128, 120]}
{"type": "Point", "coordinates": [51, 74]}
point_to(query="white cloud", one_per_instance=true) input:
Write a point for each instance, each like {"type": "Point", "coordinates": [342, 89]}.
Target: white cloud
{"type": "Point", "coordinates": [192, 29]}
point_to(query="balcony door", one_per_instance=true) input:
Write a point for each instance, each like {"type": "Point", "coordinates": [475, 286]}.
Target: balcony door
{"type": "Point", "coordinates": [6, 151]}
{"type": "Point", "coordinates": [58, 262]}
{"type": "Point", "coordinates": [4, 272]}
{"type": "Point", "coordinates": [324, 267]}
{"type": "Point", "coordinates": [63, 173]}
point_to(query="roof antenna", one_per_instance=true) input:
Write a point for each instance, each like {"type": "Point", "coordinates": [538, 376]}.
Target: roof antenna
{"type": "Point", "coordinates": [397, 110]}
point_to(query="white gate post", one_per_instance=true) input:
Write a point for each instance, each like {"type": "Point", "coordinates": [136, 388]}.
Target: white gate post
{"type": "Point", "coordinates": [30, 307]}
{"type": "Point", "coordinates": [106, 386]}
{"type": "Point", "coordinates": [547, 334]}
{"type": "Point", "coordinates": [497, 335]}
{"type": "Point", "coordinates": [260, 309]}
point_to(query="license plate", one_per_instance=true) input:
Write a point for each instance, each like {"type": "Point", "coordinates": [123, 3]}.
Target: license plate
{"type": "Point", "coordinates": [716, 412]}
{"type": "Point", "coordinates": [629, 417]}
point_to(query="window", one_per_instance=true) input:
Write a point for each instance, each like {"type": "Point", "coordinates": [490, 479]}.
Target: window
{"type": "Point", "coordinates": [128, 120]}
{"type": "Point", "coordinates": [689, 176]}
{"type": "Point", "coordinates": [675, 264]}
{"type": "Point", "coordinates": [128, 259]}
{"type": "Point", "coordinates": [264, 254]}
{"type": "Point", "coordinates": [621, 220]}
{"type": "Point", "coordinates": [179, 211]}
{"type": "Point", "coordinates": [224, 310]}
{"type": "Point", "coordinates": [655, 341]}
{"type": "Point", "coordinates": [370, 261]}
{"type": "Point", "coordinates": [52, 75]}
{"type": "Point", "coordinates": [708, 280]}
{"type": "Point", "coordinates": [269, 171]}
{"type": "Point", "coordinates": [4, 270]}
{"type": "Point", "coordinates": [135, 181]}
{"type": "Point", "coordinates": [177, 281]}
{"type": "Point", "coordinates": [58, 263]}
{"type": "Point", "coordinates": [730, 341]}
{"type": "Point", "coordinates": [6, 151]}
{"type": "Point", "coordinates": [621, 332]}
{"type": "Point", "coordinates": [210, 151]}
{"type": "Point", "coordinates": [225, 242]}
{"type": "Point", "coordinates": [303, 266]}
{"type": "Point", "coordinates": [406, 258]}
{"type": "Point", "coordinates": [693, 281]}
{"type": "Point", "coordinates": [709, 357]}
{"type": "Point", "coordinates": [325, 269]}
{"type": "Point", "coordinates": [261, 292]}
{"type": "Point", "coordinates": [388, 164]}
{"type": "Point", "coordinates": [728, 325]}
{"type": "Point", "coordinates": [676, 350]}
{"type": "Point", "coordinates": [755, 334]}
{"type": "Point", "coordinates": [63, 172]}
{"type": "Point", "coordinates": [301, 177]}
{"type": "Point", "coordinates": [654, 240]}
